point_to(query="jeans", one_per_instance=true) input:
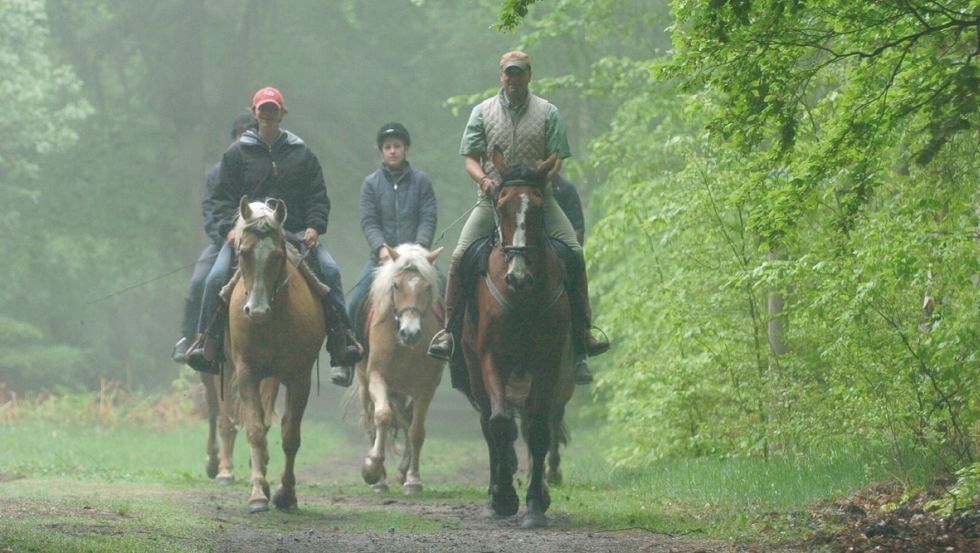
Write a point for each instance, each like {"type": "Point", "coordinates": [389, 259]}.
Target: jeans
{"type": "Point", "coordinates": [325, 267]}
{"type": "Point", "coordinates": [362, 286]}
{"type": "Point", "coordinates": [192, 303]}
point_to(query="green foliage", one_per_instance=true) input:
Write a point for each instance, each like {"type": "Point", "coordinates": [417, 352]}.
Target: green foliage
{"type": "Point", "coordinates": [964, 496]}
{"type": "Point", "coordinates": [822, 157]}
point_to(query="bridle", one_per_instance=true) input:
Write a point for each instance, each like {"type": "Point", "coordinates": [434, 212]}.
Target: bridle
{"type": "Point", "coordinates": [282, 282]}
{"type": "Point", "coordinates": [510, 251]}
{"type": "Point", "coordinates": [397, 314]}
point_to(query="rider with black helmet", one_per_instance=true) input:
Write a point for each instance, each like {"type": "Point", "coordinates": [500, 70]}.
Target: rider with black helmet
{"type": "Point", "coordinates": [397, 207]}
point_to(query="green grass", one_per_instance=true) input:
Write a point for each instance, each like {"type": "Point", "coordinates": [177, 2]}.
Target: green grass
{"type": "Point", "coordinates": [146, 490]}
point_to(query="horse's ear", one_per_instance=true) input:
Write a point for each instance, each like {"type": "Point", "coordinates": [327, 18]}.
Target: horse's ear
{"type": "Point", "coordinates": [434, 254]}
{"type": "Point", "coordinates": [545, 166]}
{"type": "Point", "coordinates": [497, 157]}
{"type": "Point", "coordinates": [243, 208]}
{"type": "Point", "coordinates": [392, 252]}
{"type": "Point", "coordinates": [280, 211]}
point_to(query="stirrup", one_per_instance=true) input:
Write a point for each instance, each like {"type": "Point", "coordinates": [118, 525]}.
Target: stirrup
{"type": "Point", "coordinates": [442, 345]}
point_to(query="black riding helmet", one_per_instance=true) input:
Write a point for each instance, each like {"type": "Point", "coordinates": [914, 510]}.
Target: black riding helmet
{"type": "Point", "coordinates": [393, 129]}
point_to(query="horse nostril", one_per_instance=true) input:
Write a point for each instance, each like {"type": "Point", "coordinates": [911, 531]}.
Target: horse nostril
{"type": "Point", "coordinates": [248, 310]}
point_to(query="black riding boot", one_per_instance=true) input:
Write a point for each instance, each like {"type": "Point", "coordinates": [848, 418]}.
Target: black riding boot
{"type": "Point", "coordinates": [582, 316]}
{"type": "Point", "coordinates": [345, 351]}
{"type": "Point", "coordinates": [206, 352]}
{"type": "Point", "coordinates": [442, 344]}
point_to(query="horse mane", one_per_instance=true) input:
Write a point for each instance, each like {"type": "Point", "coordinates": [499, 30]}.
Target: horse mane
{"type": "Point", "coordinates": [410, 257]}
{"type": "Point", "coordinates": [263, 221]}
{"type": "Point", "coordinates": [523, 173]}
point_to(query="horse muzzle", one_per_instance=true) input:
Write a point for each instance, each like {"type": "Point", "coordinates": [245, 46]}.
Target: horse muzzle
{"type": "Point", "coordinates": [257, 312]}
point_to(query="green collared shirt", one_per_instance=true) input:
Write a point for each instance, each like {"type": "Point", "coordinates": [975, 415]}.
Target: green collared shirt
{"type": "Point", "coordinates": [474, 140]}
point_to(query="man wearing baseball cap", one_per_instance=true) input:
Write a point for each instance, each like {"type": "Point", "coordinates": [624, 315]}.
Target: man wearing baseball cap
{"type": "Point", "coordinates": [271, 162]}
{"type": "Point", "coordinates": [527, 129]}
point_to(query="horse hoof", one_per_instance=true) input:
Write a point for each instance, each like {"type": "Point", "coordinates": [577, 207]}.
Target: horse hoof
{"type": "Point", "coordinates": [412, 489]}
{"type": "Point", "coordinates": [371, 471]}
{"type": "Point", "coordinates": [380, 487]}
{"type": "Point", "coordinates": [505, 506]}
{"type": "Point", "coordinates": [211, 468]}
{"type": "Point", "coordinates": [534, 519]}
{"type": "Point", "coordinates": [225, 479]}
{"type": "Point", "coordinates": [284, 502]}
{"type": "Point", "coordinates": [554, 478]}
{"type": "Point", "coordinates": [258, 506]}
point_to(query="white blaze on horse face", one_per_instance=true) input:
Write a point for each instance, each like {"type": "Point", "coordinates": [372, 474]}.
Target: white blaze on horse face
{"type": "Point", "coordinates": [257, 306]}
{"type": "Point", "coordinates": [518, 265]}
{"type": "Point", "coordinates": [410, 325]}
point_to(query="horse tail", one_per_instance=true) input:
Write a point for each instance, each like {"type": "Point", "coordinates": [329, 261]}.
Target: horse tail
{"type": "Point", "coordinates": [352, 399]}
{"type": "Point", "coordinates": [564, 436]}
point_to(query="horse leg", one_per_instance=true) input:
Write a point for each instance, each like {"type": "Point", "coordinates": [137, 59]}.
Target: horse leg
{"type": "Point", "coordinates": [538, 430]}
{"type": "Point", "coordinates": [227, 432]}
{"type": "Point", "coordinates": [255, 431]}
{"type": "Point", "coordinates": [373, 470]}
{"type": "Point", "coordinates": [554, 477]}
{"type": "Point", "coordinates": [367, 406]}
{"type": "Point", "coordinates": [500, 431]}
{"type": "Point", "coordinates": [297, 394]}
{"type": "Point", "coordinates": [211, 401]}
{"type": "Point", "coordinates": [414, 441]}
{"type": "Point", "coordinates": [402, 421]}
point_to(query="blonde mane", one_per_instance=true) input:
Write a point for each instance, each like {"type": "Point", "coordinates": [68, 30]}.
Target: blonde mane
{"type": "Point", "coordinates": [263, 222]}
{"type": "Point", "coordinates": [410, 257]}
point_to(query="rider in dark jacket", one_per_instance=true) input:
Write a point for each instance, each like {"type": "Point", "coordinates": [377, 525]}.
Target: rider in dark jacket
{"type": "Point", "coordinates": [272, 162]}
{"type": "Point", "coordinates": [192, 303]}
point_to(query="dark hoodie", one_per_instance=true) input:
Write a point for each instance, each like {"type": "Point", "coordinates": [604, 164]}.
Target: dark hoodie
{"type": "Point", "coordinates": [287, 170]}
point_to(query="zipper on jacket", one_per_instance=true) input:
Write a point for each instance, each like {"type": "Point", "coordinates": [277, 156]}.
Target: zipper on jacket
{"type": "Point", "coordinates": [275, 168]}
{"type": "Point", "coordinates": [398, 226]}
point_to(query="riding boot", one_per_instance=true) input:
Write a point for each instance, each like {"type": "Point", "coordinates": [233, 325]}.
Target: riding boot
{"type": "Point", "coordinates": [582, 316]}
{"type": "Point", "coordinates": [345, 351]}
{"type": "Point", "coordinates": [206, 352]}
{"type": "Point", "coordinates": [442, 344]}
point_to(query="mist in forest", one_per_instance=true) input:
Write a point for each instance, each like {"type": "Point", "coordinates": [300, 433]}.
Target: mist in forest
{"type": "Point", "coordinates": [139, 98]}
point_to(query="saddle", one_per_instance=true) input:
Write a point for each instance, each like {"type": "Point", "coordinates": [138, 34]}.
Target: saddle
{"type": "Point", "coordinates": [472, 267]}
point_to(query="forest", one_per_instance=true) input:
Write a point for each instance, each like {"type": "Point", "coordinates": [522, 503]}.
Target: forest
{"type": "Point", "coordinates": [782, 196]}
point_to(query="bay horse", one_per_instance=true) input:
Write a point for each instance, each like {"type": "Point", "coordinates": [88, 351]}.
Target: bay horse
{"type": "Point", "coordinates": [398, 379]}
{"type": "Point", "coordinates": [275, 329]}
{"type": "Point", "coordinates": [517, 343]}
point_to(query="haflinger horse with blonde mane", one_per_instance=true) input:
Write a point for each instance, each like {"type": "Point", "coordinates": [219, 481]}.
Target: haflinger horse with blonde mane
{"type": "Point", "coordinates": [397, 379]}
{"type": "Point", "coordinates": [517, 342]}
{"type": "Point", "coordinates": [275, 329]}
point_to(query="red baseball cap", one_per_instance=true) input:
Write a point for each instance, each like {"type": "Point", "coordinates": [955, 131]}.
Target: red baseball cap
{"type": "Point", "coordinates": [268, 94]}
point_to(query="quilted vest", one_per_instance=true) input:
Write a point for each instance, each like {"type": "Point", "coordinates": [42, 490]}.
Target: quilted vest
{"type": "Point", "coordinates": [521, 140]}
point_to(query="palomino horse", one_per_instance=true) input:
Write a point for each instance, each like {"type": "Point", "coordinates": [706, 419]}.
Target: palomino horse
{"type": "Point", "coordinates": [275, 329]}
{"type": "Point", "coordinates": [398, 379]}
{"type": "Point", "coordinates": [517, 345]}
